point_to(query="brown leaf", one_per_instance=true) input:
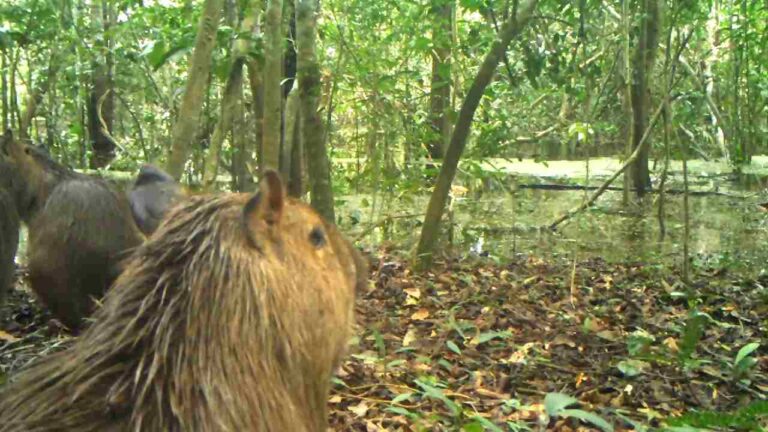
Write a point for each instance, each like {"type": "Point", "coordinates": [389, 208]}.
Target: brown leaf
{"type": "Point", "coordinates": [8, 337]}
{"type": "Point", "coordinates": [420, 314]}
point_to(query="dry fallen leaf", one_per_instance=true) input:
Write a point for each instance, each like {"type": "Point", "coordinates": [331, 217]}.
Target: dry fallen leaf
{"type": "Point", "coordinates": [671, 343]}
{"type": "Point", "coordinates": [420, 314]}
{"type": "Point", "coordinates": [409, 337]}
{"type": "Point", "coordinates": [7, 337]}
{"type": "Point", "coordinates": [360, 409]}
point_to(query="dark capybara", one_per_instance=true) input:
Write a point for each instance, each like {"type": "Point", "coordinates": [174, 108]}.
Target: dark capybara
{"type": "Point", "coordinates": [9, 241]}
{"type": "Point", "coordinates": [231, 317]}
{"type": "Point", "coordinates": [151, 196]}
{"type": "Point", "coordinates": [12, 202]}
{"type": "Point", "coordinates": [80, 228]}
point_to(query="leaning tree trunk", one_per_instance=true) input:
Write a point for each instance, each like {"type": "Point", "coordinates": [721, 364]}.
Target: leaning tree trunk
{"type": "Point", "coordinates": [231, 104]}
{"type": "Point", "coordinates": [436, 207]}
{"type": "Point", "coordinates": [101, 106]}
{"type": "Point", "coordinates": [185, 128]}
{"type": "Point", "coordinates": [645, 55]}
{"type": "Point", "coordinates": [440, 92]}
{"type": "Point", "coordinates": [308, 73]}
{"type": "Point", "coordinates": [273, 73]}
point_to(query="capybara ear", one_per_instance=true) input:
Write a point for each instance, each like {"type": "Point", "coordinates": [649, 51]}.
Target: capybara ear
{"type": "Point", "coordinates": [267, 204]}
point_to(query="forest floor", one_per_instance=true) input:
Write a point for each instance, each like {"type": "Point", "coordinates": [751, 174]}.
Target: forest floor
{"type": "Point", "coordinates": [528, 344]}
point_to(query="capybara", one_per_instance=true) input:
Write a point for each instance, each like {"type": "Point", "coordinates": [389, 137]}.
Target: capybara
{"type": "Point", "coordinates": [231, 317]}
{"type": "Point", "coordinates": [12, 201]}
{"type": "Point", "coordinates": [9, 240]}
{"type": "Point", "coordinates": [80, 228]}
{"type": "Point", "coordinates": [151, 196]}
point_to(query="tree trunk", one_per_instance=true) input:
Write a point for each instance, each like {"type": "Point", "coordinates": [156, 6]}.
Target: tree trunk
{"type": "Point", "coordinates": [297, 182]}
{"type": "Point", "coordinates": [440, 92]}
{"type": "Point", "coordinates": [232, 90]}
{"type": "Point", "coordinates": [185, 128]}
{"type": "Point", "coordinates": [308, 73]}
{"type": "Point", "coordinates": [291, 126]}
{"type": "Point", "coordinates": [644, 57]}
{"type": "Point", "coordinates": [273, 73]}
{"type": "Point", "coordinates": [4, 90]}
{"type": "Point", "coordinates": [231, 117]}
{"type": "Point", "coordinates": [436, 207]}
{"type": "Point", "coordinates": [256, 81]}
{"type": "Point", "coordinates": [101, 105]}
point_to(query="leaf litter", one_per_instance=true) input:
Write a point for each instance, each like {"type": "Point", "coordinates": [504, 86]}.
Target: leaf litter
{"type": "Point", "coordinates": [474, 346]}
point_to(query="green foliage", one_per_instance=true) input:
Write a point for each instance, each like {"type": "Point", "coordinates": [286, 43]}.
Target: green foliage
{"type": "Point", "coordinates": [746, 418]}
{"type": "Point", "coordinates": [556, 405]}
{"type": "Point", "coordinates": [692, 333]}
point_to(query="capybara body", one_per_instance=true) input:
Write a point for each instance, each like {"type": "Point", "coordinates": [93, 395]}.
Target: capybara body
{"type": "Point", "coordinates": [14, 201]}
{"type": "Point", "coordinates": [9, 240]}
{"type": "Point", "coordinates": [80, 228]}
{"type": "Point", "coordinates": [231, 317]}
{"type": "Point", "coordinates": [153, 193]}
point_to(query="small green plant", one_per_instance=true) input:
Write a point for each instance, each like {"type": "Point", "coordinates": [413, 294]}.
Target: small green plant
{"type": "Point", "coordinates": [691, 335]}
{"type": "Point", "coordinates": [746, 418]}
{"type": "Point", "coordinates": [744, 361]}
{"type": "Point", "coordinates": [556, 405]}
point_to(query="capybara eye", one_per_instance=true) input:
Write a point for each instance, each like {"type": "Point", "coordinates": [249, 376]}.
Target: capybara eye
{"type": "Point", "coordinates": [317, 237]}
{"type": "Point", "coordinates": [27, 150]}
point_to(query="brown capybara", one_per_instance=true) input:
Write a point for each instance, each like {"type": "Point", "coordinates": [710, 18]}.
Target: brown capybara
{"type": "Point", "coordinates": [231, 317]}
{"type": "Point", "coordinates": [80, 228]}
{"type": "Point", "coordinates": [153, 193]}
{"type": "Point", "coordinates": [12, 201]}
{"type": "Point", "coordinates": [9, 240]}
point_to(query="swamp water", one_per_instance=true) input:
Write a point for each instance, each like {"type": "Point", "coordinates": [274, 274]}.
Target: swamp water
{"type": "Point", "coordinates": [501, 217]}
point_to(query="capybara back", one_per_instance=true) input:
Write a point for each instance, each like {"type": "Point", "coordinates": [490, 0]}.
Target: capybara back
{"type": "Point", "coordinates": [231, 317]}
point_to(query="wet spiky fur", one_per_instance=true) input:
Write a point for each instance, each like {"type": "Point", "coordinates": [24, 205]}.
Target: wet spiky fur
{"type": "Point", "coordinates": [215, 325]}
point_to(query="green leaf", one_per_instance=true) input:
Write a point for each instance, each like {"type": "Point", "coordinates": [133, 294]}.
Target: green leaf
{"type": "Point", "coordinates": [453, 347]}
{"type": "Point", "coordinates": [631, 368]}
{"type": "Point", "coordinates": [692, 333]}
{"type": "Point", "coordinates": [403, 412]}
{"type": "Point", "coordinates": [378, 342]}
{"type": "Point", "coordinates": [402, 397]}
{"type": "Point", "coordinates": [554, 403]}
{"type": "Point", "coordinates": [472, 427]}
{"type": "Point", "coordinates": [436, 393]}
{"type": "Point", "coordinates": [517, 426]}
{"type": "Point", "coordinates": [745, 351]}
{"type": "Point", "coordinates": [486, 424]}
{"type": "Point", "coordinates": [587, 417]}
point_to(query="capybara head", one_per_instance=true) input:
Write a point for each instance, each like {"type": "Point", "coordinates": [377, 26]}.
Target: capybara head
{"type": "Point", "coordinates": [231, 317]}
{"type": "Point", "coordinates": [153, 193]}
{"type": "Point", "coordinates": [36, 172]}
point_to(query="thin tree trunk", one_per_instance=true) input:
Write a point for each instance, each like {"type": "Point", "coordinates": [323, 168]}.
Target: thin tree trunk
{"type": "Point", "coordinates": [645, 55]}
{"type": "Point", "coordinates": [436, 207]}
{"type": "Point", "coordinates": [101, 97]}
{"type": "Point", "coordinates": [273, 73]}
{"type": "Point", "coordinates": [291, 125]}
{"type": "Point", "coordinates": [440, 92]}
{"type": "Point", "coordinates": [224, 125]}
{"type": "Point", "coordinates": [308, 73]}
{"type": "Point", "coordinates": [256, 81]}
{"type": "Point", "coordinates": [4, 89]}
{"type": "Point", "coordinates": [187, 122]}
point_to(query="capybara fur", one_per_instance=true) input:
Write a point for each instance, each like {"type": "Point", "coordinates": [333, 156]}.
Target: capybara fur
{"type": "Point", "coordinates": [231, 317]}
{"type": "Point", "coordinates": [80, 228]}
{"type": "Point", "coordinates": [153, 193]}
{"type": "Point", "coordinates": [12, 201]}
